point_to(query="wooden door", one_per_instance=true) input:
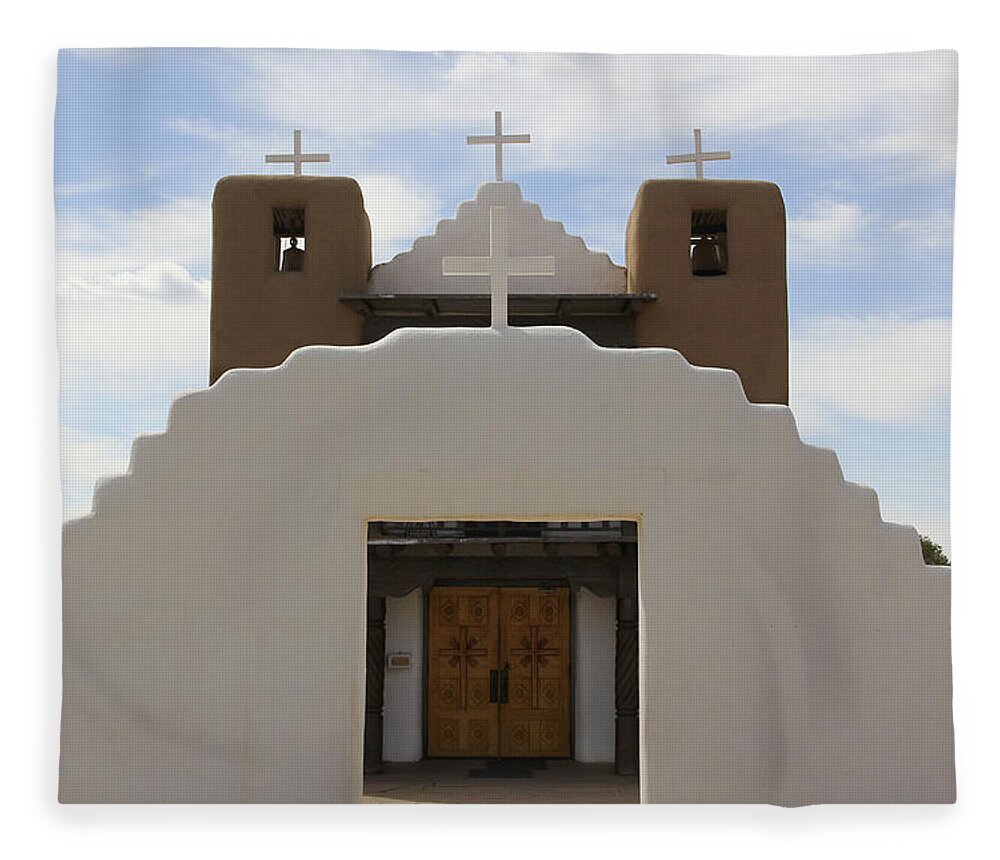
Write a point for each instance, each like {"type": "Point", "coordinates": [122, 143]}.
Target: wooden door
{"type": "Point", "coordinates": [534, 647]}
{"type": "Point", "coordinates": [462, 650]}
{"type": "Point", "coordinates": [518, 638]}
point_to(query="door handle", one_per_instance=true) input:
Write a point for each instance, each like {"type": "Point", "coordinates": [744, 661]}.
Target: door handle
{"type": "Point", "coordinates": [494, 686]}
{"type": "Point", "coordinates": [504, 683]}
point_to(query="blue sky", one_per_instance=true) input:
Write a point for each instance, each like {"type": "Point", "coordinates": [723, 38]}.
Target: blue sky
{"type": "Point", "coordinates": [862, 148]}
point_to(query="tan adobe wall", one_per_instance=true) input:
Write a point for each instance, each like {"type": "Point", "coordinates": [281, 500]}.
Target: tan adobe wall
{"type": "Point", "coordinates": [259, 315]}
{"type": "Point", "coordinates": [738, 320]}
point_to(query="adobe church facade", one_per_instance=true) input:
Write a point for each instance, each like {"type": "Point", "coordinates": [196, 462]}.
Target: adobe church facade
{"type": "Point", "coordinates": [390, 531]}
{"type": "Point", "coordinates": [727, 310]}
{"type": "Point", "coordinates": [730, 313]}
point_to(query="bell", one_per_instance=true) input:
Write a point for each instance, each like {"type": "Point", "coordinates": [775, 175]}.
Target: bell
{"type": "Point", "coordinates": [293, 258]}
{"type": "Point", "coordinates": [707, 258]}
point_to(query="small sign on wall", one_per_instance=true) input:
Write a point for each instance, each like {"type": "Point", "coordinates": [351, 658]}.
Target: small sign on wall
{"type": "Point", "coordinates": [398, 661]}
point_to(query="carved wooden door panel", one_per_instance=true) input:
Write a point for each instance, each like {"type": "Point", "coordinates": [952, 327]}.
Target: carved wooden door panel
{"type": "Point", "coordinates": [534, 646]}
{"type": "Point", "coordinates": [461, 653]}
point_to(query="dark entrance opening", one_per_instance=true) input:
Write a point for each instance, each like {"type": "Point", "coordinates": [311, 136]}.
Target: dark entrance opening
{"type": "Point", "coordinates": [536, 563]}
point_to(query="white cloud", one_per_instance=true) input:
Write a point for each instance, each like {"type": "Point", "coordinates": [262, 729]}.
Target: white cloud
{"type": "Point", "coordinates": [926, 233]}
{"type": "Point", "coordinates": [133, 330]}
{"type": "Point", "coordinates": [913, 154]}
{"type": "Point", "coordinates": [237, 146]}
{"type": "Point", "coordinates": [837, 232]}
{"type": "Point", "coordinates": [581, 108]}
{"type": "Point", "coordinates": [131, 318]}
{"type": "Point", "coordinates": [204, 129]}
{"type": "Point", "coordinates": [131, 349]}
{"type": "Point", "coordinates": [123, 359]}
{"type": "Point", "coordinates": [887, 370]}
{"type": "Point", "coordinates": [161, 281]}
{"type": "Point", "coordinates": [132, 321]}
{"type": "Point", "coordinates": [400, 211]}
{"type": "Point", "coordinates": [831, 233]}
{"type": "Point", "coordinates": [93, 246]}
{"type": "Point", "coordinates": [164, 281]}
{"type": "Point", "coordinates": [95, 185]}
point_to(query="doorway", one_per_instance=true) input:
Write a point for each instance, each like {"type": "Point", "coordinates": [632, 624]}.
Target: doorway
{"type": "Point", "coordinates": [518, 588]}
{"type": "Point", "coordinates": [498, 672]}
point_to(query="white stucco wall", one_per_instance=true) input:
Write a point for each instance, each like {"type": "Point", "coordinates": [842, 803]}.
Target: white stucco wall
{"type": "Point", "coordinates": [593, 677]}
{"type": "Point", "coordinates": [793, 647]}
{"type": "Point", "coordinates": [402, 734]}
{"type": "Point", "coordinates": [577, 268]}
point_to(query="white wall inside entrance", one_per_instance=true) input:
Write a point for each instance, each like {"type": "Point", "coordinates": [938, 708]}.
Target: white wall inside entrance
{"type": "Point", "coordinates": [593, 677]}
{"type": "Point", "coordinates": [402, 733]}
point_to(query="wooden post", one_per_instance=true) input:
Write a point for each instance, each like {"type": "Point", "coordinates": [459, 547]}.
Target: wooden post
{"type": "Point", "coordinates": [627, 666]}
{"type": "Point", "coordinates": [374, 684]}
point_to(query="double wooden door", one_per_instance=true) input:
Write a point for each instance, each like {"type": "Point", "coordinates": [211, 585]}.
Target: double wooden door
{"type": "Point", "coordinates": [498, 672]}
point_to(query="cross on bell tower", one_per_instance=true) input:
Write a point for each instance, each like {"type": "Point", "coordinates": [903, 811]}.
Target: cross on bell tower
{"type": "Point", "coordinates": [698, 157]}
{"type": "Point", "coordinates": [297, 156]}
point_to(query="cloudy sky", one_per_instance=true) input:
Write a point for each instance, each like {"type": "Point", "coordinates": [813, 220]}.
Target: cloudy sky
{"type": "Point", "coordinates": [863, 149]}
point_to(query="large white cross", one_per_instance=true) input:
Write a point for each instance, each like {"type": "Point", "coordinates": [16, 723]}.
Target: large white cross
{"type": "Point", "coordinates": [298, 156]}
{"type": "Point", "coordinates": [698, 157]}
{"type": "Point", "coordinates": [498, 140]}
{"type": "Point", "coordinates": [498, 266]}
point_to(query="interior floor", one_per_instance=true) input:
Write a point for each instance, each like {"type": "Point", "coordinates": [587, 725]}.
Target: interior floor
{"type": "Point", "coordinates": [508, 781]}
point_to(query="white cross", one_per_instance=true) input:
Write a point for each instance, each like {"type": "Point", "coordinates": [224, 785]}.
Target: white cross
{"type": "Point", "coordinates": [498, 140]}
{"type": "Point", "coordinates": [298, 156]}
{"type": "Point", "coordinates": [697, 156]}
{"type": "Point", "coordinates": [498, 265]}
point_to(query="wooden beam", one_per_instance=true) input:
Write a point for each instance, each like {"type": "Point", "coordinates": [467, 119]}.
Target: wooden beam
{"type": "Point", "coordinates": [399, 575]}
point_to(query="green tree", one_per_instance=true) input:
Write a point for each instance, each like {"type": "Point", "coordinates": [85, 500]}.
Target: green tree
{"type": "Point", "coordinates": [933, 554]}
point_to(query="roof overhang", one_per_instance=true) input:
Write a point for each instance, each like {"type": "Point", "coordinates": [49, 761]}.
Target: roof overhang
{"type": "Point", "coordinates": [478, 304]}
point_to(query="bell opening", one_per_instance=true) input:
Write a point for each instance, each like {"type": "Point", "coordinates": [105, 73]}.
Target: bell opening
{"type": "Point", "coordinates": [708, 244]}
{"type": "Point", "coordinates": [289, 227]}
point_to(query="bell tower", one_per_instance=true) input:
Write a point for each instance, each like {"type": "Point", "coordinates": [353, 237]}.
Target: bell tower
{"type": "Point", "coordinates": [713, 252]}
{"type": "Point", "coordinates": [284, 250]}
